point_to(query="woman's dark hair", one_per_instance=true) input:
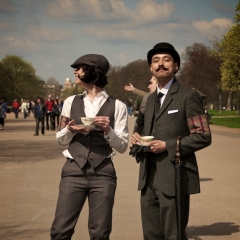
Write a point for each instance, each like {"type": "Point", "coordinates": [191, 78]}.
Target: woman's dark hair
{"type": "Point", "coordinates": [94, 75]}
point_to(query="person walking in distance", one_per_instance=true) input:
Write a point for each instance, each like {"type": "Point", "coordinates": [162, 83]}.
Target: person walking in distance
{"type": "Point", "coordinates": [56, 113]}
{"type": "Point", "coordinates": [89, 171]}
{"type": "Point", "coordinates": [15, 107]}
{"type": "Point", "coordinates": [23, 108]}
{"type": "Point", "coordinates": [39, 115]}
{"type": "Point", "coordinates": [49, 117]}
{"type": "Point", "coordinates": [172, 111]}
{"type": "Point", "coordinates": [3, 111]}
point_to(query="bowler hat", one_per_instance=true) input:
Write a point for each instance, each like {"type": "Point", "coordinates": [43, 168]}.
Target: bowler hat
{"type": "Point", "coordinates": [164, 47]}
{"type": "Point", "coordinates": [95, 60]}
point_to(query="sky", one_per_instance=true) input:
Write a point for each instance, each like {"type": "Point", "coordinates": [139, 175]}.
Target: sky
{"type": "Point", "coordinates": [52, 34]}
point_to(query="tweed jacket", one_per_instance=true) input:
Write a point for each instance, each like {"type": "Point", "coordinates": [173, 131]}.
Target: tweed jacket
{"type": "Point", "coordinates": [182, 114]}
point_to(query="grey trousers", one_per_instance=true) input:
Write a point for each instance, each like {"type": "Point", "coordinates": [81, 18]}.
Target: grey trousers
{"type": "Point", "coordinates": [158, 211]}
{"type": "Point", "coordinates": [98, 185]}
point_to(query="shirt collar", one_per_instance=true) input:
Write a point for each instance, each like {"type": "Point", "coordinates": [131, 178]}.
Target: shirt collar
{"type": "Point", "coordinates": [102, 93]}
{"type": "Point", "coordinates": [165, 89]}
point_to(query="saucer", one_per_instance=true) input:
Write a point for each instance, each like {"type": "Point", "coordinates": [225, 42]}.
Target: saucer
{"type": "Point", "coordinates": [143, 143]}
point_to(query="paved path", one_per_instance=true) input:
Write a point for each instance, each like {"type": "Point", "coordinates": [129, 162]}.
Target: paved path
{"type": "Point", "coordinates": [30, 169]}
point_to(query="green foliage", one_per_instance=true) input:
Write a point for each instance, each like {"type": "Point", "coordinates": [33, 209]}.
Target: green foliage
{"type": "Point", "coordinates": [237, 16]}
{"type": "Point", "coordinates": [233, 122]}
{"type": "Point", "coordinates": [136, 73]}
{"type": "Point", "coordinates": [223, 113]}
{"type": "Point", "coordinates": [19, 79]}
{"type": "Point", "coordinates": [230, 67]}
{"type": "Point", "coordinates": [72, 91]}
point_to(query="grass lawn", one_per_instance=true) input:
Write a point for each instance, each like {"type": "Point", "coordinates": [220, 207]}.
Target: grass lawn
{"type": "Point", "coordinates": [231, 122]}
{"type": "Point", "coordinates": [223, 113]}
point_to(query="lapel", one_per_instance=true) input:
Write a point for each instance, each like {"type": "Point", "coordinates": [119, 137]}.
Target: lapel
{"type": "Point", "coordinates": [168, 99]}
{"type": "Point", "coordinates": [149, 112]}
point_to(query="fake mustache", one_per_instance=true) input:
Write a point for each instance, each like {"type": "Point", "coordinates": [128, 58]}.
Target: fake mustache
{"type": "Point", "coordinates": [161, 67]}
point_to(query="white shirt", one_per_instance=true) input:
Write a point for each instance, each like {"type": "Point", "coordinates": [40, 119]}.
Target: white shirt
{"type": "Point", "coordinates": [164, 90]}
{"type": "Point", "coordinates": [117, 137]}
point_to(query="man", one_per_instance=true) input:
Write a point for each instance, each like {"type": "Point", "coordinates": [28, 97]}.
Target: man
{"type": "Point", "coordinates": [3, 111]}
{"type": "Point", "coordinates": [178, 112]}
{"type": "Point", "coordinates": [89, 171]}
{"type": "Point", "coordinates": [49, 105]}
{"type": "Point", "coordinates": [152, 84]}
{"type": "Point", "coordinates": [39, 115]}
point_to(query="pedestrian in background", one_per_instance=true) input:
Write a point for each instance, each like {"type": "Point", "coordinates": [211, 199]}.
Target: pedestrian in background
{"type": "Point", "coordinates": [56, 113]}
{"type": "Point", "coordinates": [39, 115]}
{"type": "Point", "coordinates": [15, 107]}
{"type": "Point", "coordinates": [23, 108]}
{"type": "Point", "coordinates": [49, 116]}
{"type": "Point", "coordinates": [129, 104]}
{"type": "Point", "coordinates": [3, 111]}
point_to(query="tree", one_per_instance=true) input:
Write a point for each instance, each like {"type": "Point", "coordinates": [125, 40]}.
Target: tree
{"type": "Point", "coordinates": [19, 78]}
{"type": "Point", "coordinates": [230, 57]}
{"type": "Point", "coordinates": [72, 91]}
{"type": "Point", "coordinates": [200, 70]}
{"type": "Point", "coordinates": [136, 72]}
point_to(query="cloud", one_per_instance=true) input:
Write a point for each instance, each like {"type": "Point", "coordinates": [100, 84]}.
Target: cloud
{"type": "Point", "coordinates": [216, 27]}
{"type": "Point", "coordinates": [86, 9]}
{"type": "Point", "coordinates": [222, 8]}
{"type": "Point", "coordinates": [48, 34]}
{"type": "Point", "coordinates": [4, 26]}
{"type": "Point", "coordinates": [7, 7]}
{"type": "Point", "coordinates": [15, 46]}
{"type": "Point", "coordinates": [151, 11]}
{"type": "Point", "coordinates": [109, 11]}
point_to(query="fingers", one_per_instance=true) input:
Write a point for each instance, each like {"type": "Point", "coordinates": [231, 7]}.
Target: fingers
{"type": "Point", "coordinates": [135, 138]}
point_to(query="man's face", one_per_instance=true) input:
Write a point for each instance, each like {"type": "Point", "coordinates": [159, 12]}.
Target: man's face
{"type": "Point", "coordinates": [152, 84]}
{"type": "Point", "coordinates": [50, 97]}
{"type": "Point", "coordinates": [163, 66]}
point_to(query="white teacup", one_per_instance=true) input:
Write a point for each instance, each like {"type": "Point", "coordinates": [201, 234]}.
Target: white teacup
{"type": "Point", "coordinates": [87, 120]}
{"type": "Point", "coordinates": [146, 139]}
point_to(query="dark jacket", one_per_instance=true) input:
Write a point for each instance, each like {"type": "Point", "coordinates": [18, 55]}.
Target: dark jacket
{"type": "Point", "coordinates": [43, 110]}
{"type": "Point", "coordinates": [182, 114]}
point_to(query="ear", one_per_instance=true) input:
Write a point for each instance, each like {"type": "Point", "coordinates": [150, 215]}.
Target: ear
{"type": "Point", "coordinates": [176, 66]}
{"type": "Point", "coordinates": [150, 68]}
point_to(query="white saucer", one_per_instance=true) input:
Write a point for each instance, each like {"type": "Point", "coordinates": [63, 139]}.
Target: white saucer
{"type": "Point", "coordinates": [86, 126]}
{"type": "Point", "coordinates": [143, 143]}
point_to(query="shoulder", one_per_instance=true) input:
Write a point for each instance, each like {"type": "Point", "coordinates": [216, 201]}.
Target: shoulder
{"type": "Point", "coordinates": [69, 100]}
{"type": "Point", "coordinates": [119, 104]}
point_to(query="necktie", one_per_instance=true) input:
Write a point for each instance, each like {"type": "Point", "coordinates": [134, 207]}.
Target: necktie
{"type": "Point", "coordinates": [158, 101]}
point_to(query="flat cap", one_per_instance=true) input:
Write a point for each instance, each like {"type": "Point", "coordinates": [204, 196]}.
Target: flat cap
{"type": "Point", "coordinates": [94, 60]}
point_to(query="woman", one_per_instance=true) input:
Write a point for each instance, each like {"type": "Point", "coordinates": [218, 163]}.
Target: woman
{"type": "Point", "coordinates": [89, 171]}
{"type": "Point", "coordinates": [23, 108]}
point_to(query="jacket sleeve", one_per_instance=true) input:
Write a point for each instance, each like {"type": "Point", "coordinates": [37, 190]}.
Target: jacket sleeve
{"type": "Point", "coordinates": [138, 92]}
{"type": "Point", "coordinates": [200, 134]}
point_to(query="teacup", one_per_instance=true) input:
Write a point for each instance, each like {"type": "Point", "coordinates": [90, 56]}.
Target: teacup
{"type": "Point", "coordinates": [146, 139]}
{"type": "Point", "coordinates": [87, 120]}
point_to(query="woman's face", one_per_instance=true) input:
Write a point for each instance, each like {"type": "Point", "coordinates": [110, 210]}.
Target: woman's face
{"type": "Point", "coordinates": [78, 72]}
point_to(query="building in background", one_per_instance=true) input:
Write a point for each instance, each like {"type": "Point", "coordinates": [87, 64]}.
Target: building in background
{"type": "Point", "coordinates": [53, 89]}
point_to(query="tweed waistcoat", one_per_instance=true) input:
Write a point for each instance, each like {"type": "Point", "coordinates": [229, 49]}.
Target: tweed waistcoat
{"type": "Point", "coordinates": [91, 147]}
